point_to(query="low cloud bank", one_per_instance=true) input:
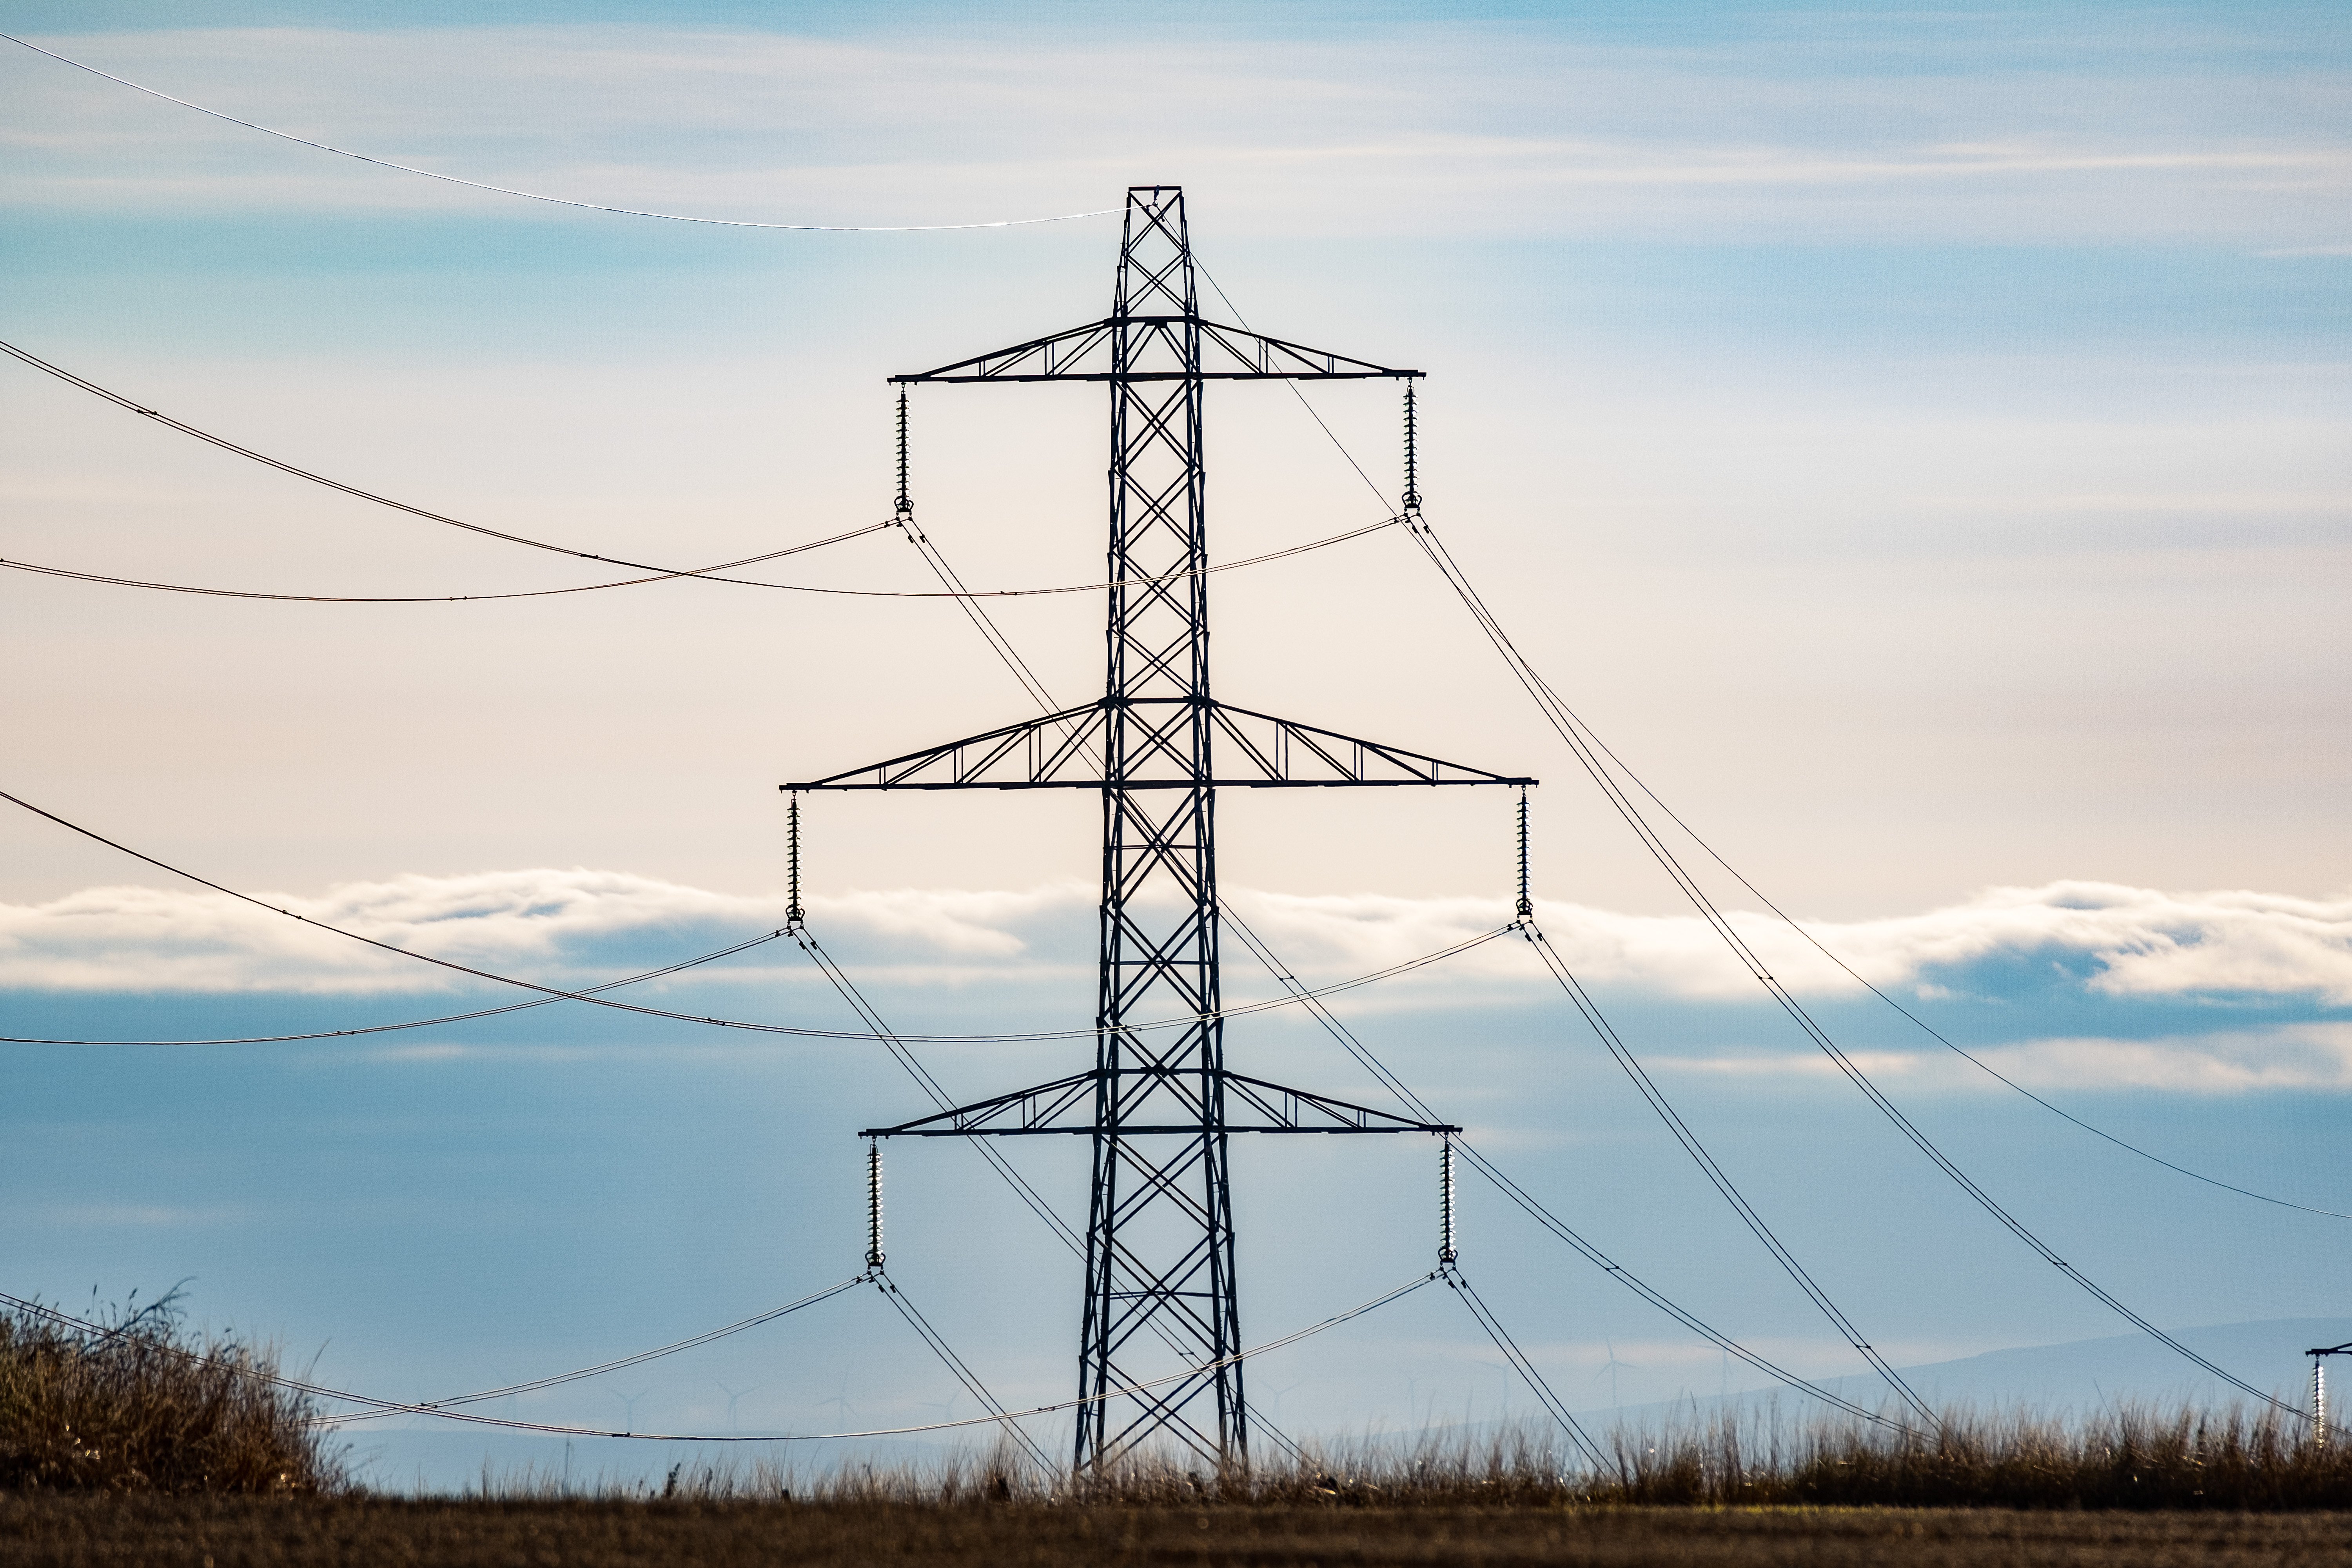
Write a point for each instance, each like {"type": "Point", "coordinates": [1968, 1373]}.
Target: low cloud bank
{"type": "Point", "coordinates": [2312, 1056]}
{"type": "Point", "coordinates": [2107, 939]}
{"type": "Point", "coordinates": [573, 926]}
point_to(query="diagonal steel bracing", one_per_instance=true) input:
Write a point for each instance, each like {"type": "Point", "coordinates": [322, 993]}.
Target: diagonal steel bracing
{"type": "Point", "coordinates": [1158, 1107]}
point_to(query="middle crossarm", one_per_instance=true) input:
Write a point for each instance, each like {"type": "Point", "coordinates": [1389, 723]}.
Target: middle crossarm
{"type": "Point", "coordinates": [1066, 1105]}
{"type": "Point", "coordinates": [1063, 751]}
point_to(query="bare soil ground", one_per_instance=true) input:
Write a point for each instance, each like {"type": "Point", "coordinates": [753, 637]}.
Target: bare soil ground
{"type": "Point", "coordinates": [219, 1532]}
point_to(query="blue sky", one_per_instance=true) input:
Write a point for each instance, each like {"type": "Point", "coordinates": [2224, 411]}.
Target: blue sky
{"type": "Point", "coordinates": [1915, 440]}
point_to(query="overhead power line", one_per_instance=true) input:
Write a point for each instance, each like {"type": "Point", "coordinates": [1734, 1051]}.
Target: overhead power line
{"type": "Point", "coordinates": [1716, 1176]}
{"type": "Point", "coordinates": [536, 196]}
{"type": "Point", "coordinates": [226, 444]}
{"type": "Point", "coordinates": [402, 1407]}
{"type": "Point", "coordinates": [702, 571]}
{"type": "Point", "coordinates": [1586, 747]}
{"type": "Point", "coordinates": [1554, 1406]}
{"type": "Point", "coordinates": [709, 574]}
{"type": "Point", "coordinates": [959, 1368]}
{"type": "Point", "coordinates": [559, 993]}
{"type": "Point", "coordinates": [1925, 1027]}
{"type": "Point", "coordinates": [654, 574]}
{"type": "Point", "coordinates": [1349, 1042]}
{"type": "Point", "coordinates": [693, 1342]}
{"type": "Point", "coordinates": [585, 990]}
{"type": "Point", "coordinates": [1548, 702]}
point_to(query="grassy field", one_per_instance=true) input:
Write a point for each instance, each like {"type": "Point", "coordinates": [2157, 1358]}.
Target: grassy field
{"type": "Point", "coordinates": [134, 1442]}
{"type": "Point", "coordinates": [216, 1532]}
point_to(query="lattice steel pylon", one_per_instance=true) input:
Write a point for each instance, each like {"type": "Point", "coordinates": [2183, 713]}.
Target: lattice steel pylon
{"type": "Point", "coordinates": [1159, 1103]}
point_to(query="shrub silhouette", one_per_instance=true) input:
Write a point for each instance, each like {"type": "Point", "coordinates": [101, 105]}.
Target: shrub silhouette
{"type": "Point", "coordinates": [136, 1403]}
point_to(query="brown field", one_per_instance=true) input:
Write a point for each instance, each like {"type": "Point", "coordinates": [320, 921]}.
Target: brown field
{"type": "Point", "coordinates": [218, 1531]}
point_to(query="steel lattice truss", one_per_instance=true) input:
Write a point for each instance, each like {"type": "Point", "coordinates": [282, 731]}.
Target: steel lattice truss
{"type": "Point", "coordinates": [1067, 750]}
{"type": "Point", "coordinates": [1157, 1105]}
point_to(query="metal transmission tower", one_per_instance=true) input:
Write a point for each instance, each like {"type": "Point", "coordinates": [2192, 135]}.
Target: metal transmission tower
{"type": "Point", "coordinates": [1160, 1102]}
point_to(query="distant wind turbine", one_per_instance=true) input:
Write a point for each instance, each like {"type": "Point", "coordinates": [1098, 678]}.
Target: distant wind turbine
{"type": "Point", "coordinates": [1609, 1370]}
{"type": "Point", "coordinates": [845, 1412]}
{"type": "Point", "coordinates": [732, 1395]}
{"type": "Point", "coordinates": [630, 1400]}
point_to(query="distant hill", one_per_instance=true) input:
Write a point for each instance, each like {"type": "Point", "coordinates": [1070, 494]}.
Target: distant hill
{"type": "Point", "coordinates": [2082, 1374]}
{"type": "Point", "coordinates": [2089, 1372]}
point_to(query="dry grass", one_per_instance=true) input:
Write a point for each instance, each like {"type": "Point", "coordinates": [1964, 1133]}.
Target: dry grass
{"type": "Point", "coordinates": [216, 1532]}
{"type": "Point", "coordinates": [2125, 1458]}
{"type": "Point", "coordinates": [132, 1410]}
{"type": "Point", "coordinates": [119, 1448]}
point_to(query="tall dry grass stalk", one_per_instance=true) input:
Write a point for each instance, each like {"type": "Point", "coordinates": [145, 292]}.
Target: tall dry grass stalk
{"type": "Point", "coordinates": [148, 1406]}
{"type": "Point", "coordinates": [2125, 1457]}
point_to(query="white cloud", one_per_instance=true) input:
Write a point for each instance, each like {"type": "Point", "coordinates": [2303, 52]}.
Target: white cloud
{"type": "Point", "coordinates": [2131, 941]}
{"type": "Point", "coordinates": [569, 926]}
{"type": "Point", "coordinates": [560, 926]}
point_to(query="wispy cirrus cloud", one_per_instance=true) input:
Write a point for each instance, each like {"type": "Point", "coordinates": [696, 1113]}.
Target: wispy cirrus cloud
{"type": "Point", "coordinates": [1425, 127]}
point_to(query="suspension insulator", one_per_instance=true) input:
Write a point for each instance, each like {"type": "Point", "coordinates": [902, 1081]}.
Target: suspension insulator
{"type": "Point", "coordinates": [1445, 1251]}
{"type": "Point", "coordinates": [794, 914]}
{"type": "Point", "coordinates": [873, 1203]}
{"type": "Point", "coordinates": [1526, 905]}
{"type": "Point", "coordinates": [904, 506]}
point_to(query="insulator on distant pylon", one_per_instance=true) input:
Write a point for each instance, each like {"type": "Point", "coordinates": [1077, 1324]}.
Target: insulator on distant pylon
{"type": "Point", "coordinates": [873, 1203]}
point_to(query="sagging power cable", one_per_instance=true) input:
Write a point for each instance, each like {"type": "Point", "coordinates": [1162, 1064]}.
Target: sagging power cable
{"type": "Point", "coordinates": [558, 993]}
{"type": "Point", "coordinates": [704, 573]}
{"type": "Point", "coordinates": [1717, 1176]}
{"type": "Point", "coordinates": [894, 1294]}
{"type": "Point", "coordinates": [654, 573]}
{"type": "Point", "coordinates": [1556, 714]}
{"type": "Point", "coordinates": [226, 444]}
{"type": "Point", "coordinates": [536, 1384]}
{"type": "Point", "coordinates": [536, 196]}
{"type": "Point", "coordinates": [708, 574]}
{"type": "Point", "coordinates": [1572, 730]}
{"type": "Point", "coordinates": [667, 968]}
{"type": "Point", "coordinates": [1925, 1027]}
{"type": "Point", "coordinates": [1526, 1201]}
{"type": "Point", "coordinates": [1554, 1406]}
{"type": "Point", "coordinates": [393, 1407]}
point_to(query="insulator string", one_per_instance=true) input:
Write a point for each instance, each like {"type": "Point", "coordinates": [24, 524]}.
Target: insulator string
{"type": "Point", "coordinates": [1445, 1247]}
{"type": "Point", "coordinates": [905, 505]}
{"type": "Point", "coordinates": [795, 916]}
{"type": "Point", "coordinates": [1409, 504]}
{"type": "Point", "coordinates": [1526, 906]}
{"type": "Point", "coordinates": [873, 1203]}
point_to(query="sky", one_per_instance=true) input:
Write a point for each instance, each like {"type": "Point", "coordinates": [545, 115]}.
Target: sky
{"type": "Point", "coordinates": [1915, 440]}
